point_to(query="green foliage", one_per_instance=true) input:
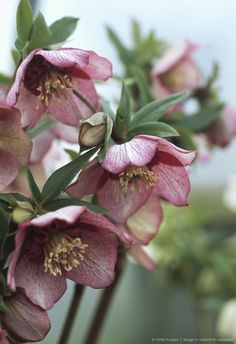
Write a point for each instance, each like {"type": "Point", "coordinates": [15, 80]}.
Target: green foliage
{"type": "Point", "coordinates": [62, 29]}
{"type": "Point", "coordinates": [65, 202]}
{"type": "Point", "coordinates": [123, 113]}
{"type": "Point", "coordinates": [24, 22]}
{"type": "Point", "coordinates": [4, 229]}
{"type": "Point", "coordinates": [33, 186]}
{"type": "Point", "coordinates": [159, 129]}
{"type": "Point", "coordinates": [142, 83]}
{"type": "Point", "coordinates": [62, 177]}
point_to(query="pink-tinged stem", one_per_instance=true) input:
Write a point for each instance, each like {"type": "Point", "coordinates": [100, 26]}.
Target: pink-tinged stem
{"type": "Point", "coordinates": [104, 304]}
{"type": "Point", "coordinates": [85, 101]}
{"type": "Point", "coordinates": [78, 292]}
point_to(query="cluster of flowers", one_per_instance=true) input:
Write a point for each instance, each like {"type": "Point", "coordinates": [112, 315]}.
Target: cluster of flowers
{"type": "Point", "coordinates": [125, 165]}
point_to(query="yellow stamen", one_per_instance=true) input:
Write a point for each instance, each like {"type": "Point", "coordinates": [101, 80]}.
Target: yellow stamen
{"type": "Point", "coordinates": [133, 177]}
{"type": "Point", "coordinates": [52, 84]}
{"type": "Point", "coordinates": [63, 251]}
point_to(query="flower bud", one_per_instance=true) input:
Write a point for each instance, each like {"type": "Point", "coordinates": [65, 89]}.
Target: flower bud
{"type": "Point", "coordinates": [92, 131]}
{"type": "Point", "coordinates": [23, 211]}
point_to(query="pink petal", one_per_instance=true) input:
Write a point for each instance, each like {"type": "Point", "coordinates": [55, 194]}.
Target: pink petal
{"type": "Point", "coordinates": [172, 179]}
{"type": "Point", "coordinates": [138, 253]}
{"type": "Point", "coordinates": [3, 339]}
{"type": "Point", "coordinates": [184, 156]}
{"type": "Point", "coordinates": [121, 205]}
{"type": "Point", "coordinates": [144, 224]}
{"type": "Point", "coordinates": [9, 168]}
{"type": "Point", "coordinates": [99, 68]}
{"type": "Point", "coordinates": [23, 320]}
{"type": "Point", "coordinates": [97, 268]}
{"type": "Point", "coordinates": [66, 57]}
{"type": "Point", "coordinates": [68, 108]}
{"type": "Point", "coordinates": [137, 152]}
{"type": "Point", "coordinates": [65, 132]}
{"type": "Point", "coordinates": [91, 179]}
{"type": "Point", "coordinates": [42, 288]}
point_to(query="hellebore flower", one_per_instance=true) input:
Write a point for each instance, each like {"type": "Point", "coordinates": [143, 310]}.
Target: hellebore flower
{"type": "Point", "coordinates": [223, 129]}
{"type": "Point", "coordinates": [133, 172]}
{"type": "Point", "coordinates": [23, 320]}
{"type": "Point", "coordinates": [15, 145]}
{"type": "Point", "coordinates": [45, 80]}
{"type": "Point", "coordinates": [175, 71]}
{"type": "Point", "coordinates": [73, 243]}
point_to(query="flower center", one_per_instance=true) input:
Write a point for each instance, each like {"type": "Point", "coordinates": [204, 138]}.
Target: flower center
{"type": "Point", "coordinates": [52, 83]}
{"type": "Point", "coordinates": [63, 251]}
{"type": "Point", "coordinates": [134, 177]}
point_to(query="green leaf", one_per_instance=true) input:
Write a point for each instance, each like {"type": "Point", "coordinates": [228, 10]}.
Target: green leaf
{"type": "Point", "coordinates": [199, 121]}
{"type": "Point", "coordinates": [122, 121]}
{"type": "Point", "coordinates": [155, 110]}
{"type": "Point", "coordinates": [24, 20]}
{"type": "Point", "coordinates": [65, 202]}
{"type": "Point", "coordinates": [4, 229]}
{"type": "Point", "coordinates": [123, 52]}
{"type": "Point", "coordinates": [153, 128]}
{"type": "Point", "coordinates": [72, 154]}
{"type": "Point", "coordinates": [136, 32]}
{"type": "Point", "coordinates": [33, 186]}
{"type": "Point", "coordinates": [142, 84]}
{"type": "Point", "coordinates": [40, 34]}
{"type": "Point", "coordinates": [44, 125]}
{"type": "Point", "coordinates": [62, 29]}
{"type": "Point", "coordinates": [109, 127]}
{"type": "Point", "coordinates": [16, 56]}
{"type": "Point", "coordinates": [61, 178]}
{"type": "Point", "coordinates": [107, 108]}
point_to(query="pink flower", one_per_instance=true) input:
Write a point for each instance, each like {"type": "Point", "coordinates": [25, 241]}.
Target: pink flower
{"type": "Point", "coordinates": [45, 81]}
{"type": "Point", "coordinates": [23, 320]}
{"type": "Point", "coordinates": [176, 71]}
{"type": "Point", "coordinates": [136, 174]}
{"type": "Point", "coordinates": [73, 243]}
{"type": "Point", "coordinates": [222, 131]}
{"type": "Point", "coordinates": [15, 145]}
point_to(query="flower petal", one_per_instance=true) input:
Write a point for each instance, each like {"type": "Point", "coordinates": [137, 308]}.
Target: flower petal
{"type": "Point", "coordinates": [9, 168]}
{"type": "Point", "coordinates": [99, 68]}
{"type": "Point", "coordinates": [42, 288]}
{"type": "Point", "coordinates": [90, 180]}
{"type": "Point", "coordinates": [145, 223]}
{"type": "Point", "coordinates": [68, 108]}
{"type": "Point", "coordinates": [172, 179]}
{"type": "Point", "coordinates": [23, 320]}
{"type": "Point", "coordinates": [120, 204]}
{"type": "Point", "coordinates": [138, 253]}
{"type": "Point", "coordinates": [97, 268]}
{"type": "Point", "coordinates": [41, 145]}
{"type": "Point", "coordinates": [137, 152]}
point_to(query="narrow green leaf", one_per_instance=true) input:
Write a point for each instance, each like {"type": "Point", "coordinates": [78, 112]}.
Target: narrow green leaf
{"type": "Point", "coordinates": [136, 32]}
{"type": "Point", "coordinates": [24, 20]}
{"type": "Point", "coordinates": [62, 29]}
{"type": "Point", "coordinates": [122, 121]}
{"type": "Point", "coordinates": [156, 109]}
{"type": "Point", "coordinates": [16, 56]}
{"type": "Point", "coordinates": [61, 178]}
{"type": "Point", "coordinates": [4, 229]}
{"type": "Point", "coordinates": [72, 154]}
{"type": "Point", "coordinates": [123, 52]}
{"type": "Point", "coordinates": [199, 121]}
{"type": "Point", "coordinates": [40, 34]}
{"type": "Point", "coordinates": [33, 186]}
{"type": "Point", "coordinates": [159, 129]}
{"type": "Point", "coordinates": [65, 202]}
{"type": "Point", "coordinates": [142, 84]}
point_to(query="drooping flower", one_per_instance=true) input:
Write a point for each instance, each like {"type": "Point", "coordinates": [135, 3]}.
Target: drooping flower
{"type": "Point", "coordinates": [23, 320]}
{"type": "Point", "coordinates": [176, 71]}
{"type": "Point", "coordinates": [15, 145]}
{"type": "Point", "coordinates": [133, 172]}
{"type": "Point", "coordinates": [45, 81]}
{"type": "Point", "coordinates": [71, 242]}
{"type": "Point", "coordinates": [223, 129]}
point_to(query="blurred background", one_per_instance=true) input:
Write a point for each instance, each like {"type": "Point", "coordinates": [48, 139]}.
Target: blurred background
{"type": "Point", "coordinates": [191, 293]}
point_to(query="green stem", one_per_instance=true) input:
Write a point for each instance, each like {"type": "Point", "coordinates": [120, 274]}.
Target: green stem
{"type": "Point", "coordinates": [85, 101]}
{"type": "Point", "coordinates": [104, 304]}
{"type": "Point", "coordinates": [78, 292]}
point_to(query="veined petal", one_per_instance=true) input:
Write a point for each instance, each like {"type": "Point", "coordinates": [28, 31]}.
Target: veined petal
{"type": "Point", "coordinates": [172, 179]}
{"type": "Point", "coordinates": [23, 320]}
{"type": "Point", "coordinates": [121, 205]}
{"type": "Point", "coordinates": [137, 152]}
{"type": "Point", "coordinates": [99, 68]}
{"type": "Point", "coordinates": [42, 288]}
{"type": "Point", "coordinates": [97, 268]}
{"type": "Point", "coordinates": [9, 168]}
{"type": "Point", "coordinates": [144, 224]}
